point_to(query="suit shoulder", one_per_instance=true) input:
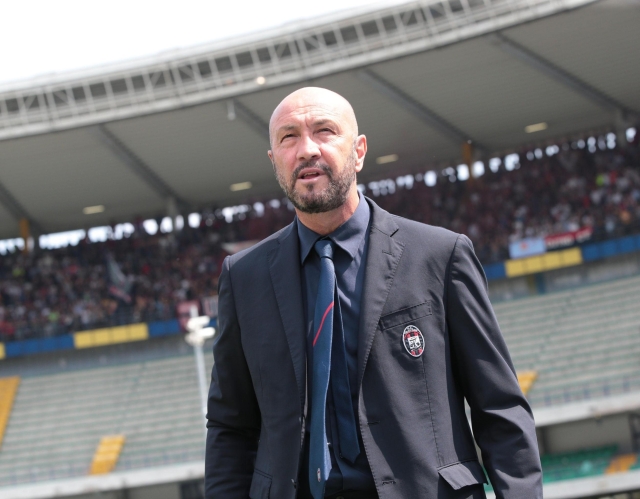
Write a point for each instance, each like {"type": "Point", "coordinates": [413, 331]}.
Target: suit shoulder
{"type": "Point", "coordinates": [249, 256]}
{"type": "Point", "coordinates": [439, 236]}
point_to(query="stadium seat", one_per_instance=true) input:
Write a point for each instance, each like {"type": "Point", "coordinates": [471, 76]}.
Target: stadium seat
{"type": "Point", "coordinates": [8, 389]}
{"type": "Point", "coordinates": [526, 380]}
{"type": "Point", "coordinates": [107, 454]}
{"type": "Point", "coordinates": [620, 464]}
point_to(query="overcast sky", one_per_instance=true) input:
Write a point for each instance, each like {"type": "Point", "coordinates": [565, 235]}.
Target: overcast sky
{"type": "Point", "coordinates": [39, 37]}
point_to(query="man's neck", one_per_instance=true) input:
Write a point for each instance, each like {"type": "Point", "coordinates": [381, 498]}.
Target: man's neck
{"type": "Point", "coordinates": [325, 223]}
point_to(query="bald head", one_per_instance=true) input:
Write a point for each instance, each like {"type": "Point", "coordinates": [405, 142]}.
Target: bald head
{"type": "Point", "coordinates": [315, 101]}
{"type": "Point", "coordinates": [316, 153]}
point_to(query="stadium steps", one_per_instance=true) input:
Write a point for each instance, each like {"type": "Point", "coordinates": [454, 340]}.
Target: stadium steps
{"type": "Point", "coordinates": [60, 418]}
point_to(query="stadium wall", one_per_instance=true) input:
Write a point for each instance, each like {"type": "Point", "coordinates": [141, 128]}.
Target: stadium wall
{"type": "Point", "coordinates": [92, 338]}
{"type": "Point", "coordinates": [563, 258]}
{"type": "Point", "coordinates": [599, 262]}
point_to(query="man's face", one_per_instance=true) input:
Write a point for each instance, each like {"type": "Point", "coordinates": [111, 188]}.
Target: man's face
{"type": "Point", "coordinates": [315, 151]}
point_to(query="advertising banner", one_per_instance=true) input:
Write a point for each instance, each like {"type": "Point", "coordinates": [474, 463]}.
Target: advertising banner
{"type": "Point", "coordinates": [566, 239]}
{"type": "Point", "coordinates": [527, 247]}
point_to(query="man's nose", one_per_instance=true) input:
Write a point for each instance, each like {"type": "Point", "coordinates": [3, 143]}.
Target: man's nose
{"type": "Point", "coordinates": [307, 149]}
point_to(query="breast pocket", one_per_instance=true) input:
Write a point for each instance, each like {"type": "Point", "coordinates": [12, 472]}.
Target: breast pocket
{"type": "Point", "coordinates": [403, 334]}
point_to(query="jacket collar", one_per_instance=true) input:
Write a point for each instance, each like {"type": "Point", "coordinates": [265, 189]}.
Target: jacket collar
{"type": "Point", "coordinates": [382, 260]}
{"type": "Point", "coordinates": [284, 266]}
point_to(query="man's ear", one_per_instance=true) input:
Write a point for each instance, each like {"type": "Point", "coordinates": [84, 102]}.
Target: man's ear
{"type": "Point", "coordinates": [361, 151]}
{"type": "Point", "coordinates": [270, 154]}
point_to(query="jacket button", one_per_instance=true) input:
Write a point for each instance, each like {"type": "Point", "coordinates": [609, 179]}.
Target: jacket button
{"type": "Point", "coordinates": [295, 484]}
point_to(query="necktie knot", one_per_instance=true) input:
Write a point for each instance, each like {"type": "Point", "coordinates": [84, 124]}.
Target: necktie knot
{"type": "Point", "coordinates": [324, 248]}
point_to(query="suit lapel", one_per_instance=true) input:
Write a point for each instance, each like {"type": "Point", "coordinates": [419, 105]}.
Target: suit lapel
{"type": "Point", "coordinates": [382, 260]}
{"type": "Point", "coordinates": [284, 266]}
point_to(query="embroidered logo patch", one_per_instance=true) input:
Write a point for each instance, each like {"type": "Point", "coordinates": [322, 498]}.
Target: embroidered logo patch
{"type": "Point", "coordinates": [413, 341]}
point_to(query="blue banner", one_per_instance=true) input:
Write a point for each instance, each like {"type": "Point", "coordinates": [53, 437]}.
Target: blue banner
{"type": "Point", "coordinates": [527, 247]}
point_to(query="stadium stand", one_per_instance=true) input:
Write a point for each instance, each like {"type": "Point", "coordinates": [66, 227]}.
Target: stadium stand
{"type": "Point", "coordinates": [81, 420]}
{"type": "Point", "coordinates": [59, 418]}
{"type": "Point", "coordinates": [583, 343]}
{"type": "Point", "coordinates": [52, 292]}
{"type": "Point", "coordinates": [61, 413]}
{"type": "Point", "coordinates": [92, 328]}
{"type": "Point", "coordinates": [567, 466]}
{"type": "Point", "coordinates": [579, 464]}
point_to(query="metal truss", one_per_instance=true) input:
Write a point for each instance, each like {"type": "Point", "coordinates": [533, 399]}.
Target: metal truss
{"type": "Point", "coordinates": [565, 78]}
{"type": "Point", "coordinates": [418, 109]}
{"type": "Point", "coordinates": [13, 206]}
{"type": "Point", "coordinates": [239, 110]}
{"type": "Point", "coordinates": [290, 56]}
{"type": "Point", "coordinates": [135, 164]}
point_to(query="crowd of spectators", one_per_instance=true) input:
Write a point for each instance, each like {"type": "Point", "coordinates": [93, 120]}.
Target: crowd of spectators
{"type": "Point", "coordinates": [53, 292]}
{"type": "Point", "coordinates": [542, 195]}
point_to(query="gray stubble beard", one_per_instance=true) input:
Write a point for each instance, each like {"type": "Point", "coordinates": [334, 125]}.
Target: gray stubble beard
{"type": "Point", "coordinates": [334, 196]}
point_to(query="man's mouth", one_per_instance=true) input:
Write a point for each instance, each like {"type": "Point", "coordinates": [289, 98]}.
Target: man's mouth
{"type": "Point", "coordinates": [310, 174]}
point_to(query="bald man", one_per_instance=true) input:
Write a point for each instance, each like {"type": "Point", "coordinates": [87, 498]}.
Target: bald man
{"type": "Point", "coordinates": [349, 340]}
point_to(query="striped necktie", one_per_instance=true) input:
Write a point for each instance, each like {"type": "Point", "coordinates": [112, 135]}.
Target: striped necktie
{"type": "Point", "coordinates": [329, 361]}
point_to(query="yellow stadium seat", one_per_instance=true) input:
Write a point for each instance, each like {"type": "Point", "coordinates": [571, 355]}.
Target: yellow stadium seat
{"type": "Point", "coordinates": [526, 380]}
{"type": "Point", "coordinates": [107, 454]}
{"type": "Point", "coordinates": [620, 464]}
{"type": "Point", "coordinates": [8, 389]}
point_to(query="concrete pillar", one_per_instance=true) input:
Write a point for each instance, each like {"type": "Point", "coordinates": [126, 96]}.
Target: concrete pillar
{"type": "Point", "coordinates": [25, 234]}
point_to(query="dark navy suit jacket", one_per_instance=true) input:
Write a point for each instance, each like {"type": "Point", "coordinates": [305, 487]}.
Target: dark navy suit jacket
{"type": "Point", "coordinates": [411, 408]}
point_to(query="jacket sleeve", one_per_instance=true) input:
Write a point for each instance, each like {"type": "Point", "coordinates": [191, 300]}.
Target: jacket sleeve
{"type": "Point", "coordinates": [233, 415]}
{"type": "Point", "coordinates": [501, 418]}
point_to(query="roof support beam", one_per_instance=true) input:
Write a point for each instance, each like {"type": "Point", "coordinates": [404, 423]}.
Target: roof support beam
{"type": "Point", "coordinates": [560, 75]}
{"type": "Point", "coordinates": [18, 211]}
{"type": "Point", "coordinates": [417, 109]}
{"type": "Point", "coordinates": [236, 109]}
{"type": "Point", "coordinates": [139, 167]}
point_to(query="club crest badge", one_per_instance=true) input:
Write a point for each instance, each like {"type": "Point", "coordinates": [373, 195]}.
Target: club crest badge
{"type": "Point", "coordinates": [413, 341]}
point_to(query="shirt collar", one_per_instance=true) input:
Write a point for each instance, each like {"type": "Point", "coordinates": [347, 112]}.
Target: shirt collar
{"type": "Point", "coordinates": [348, 236]}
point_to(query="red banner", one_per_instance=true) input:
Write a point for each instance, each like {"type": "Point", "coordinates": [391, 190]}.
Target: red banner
{"type": "Point", "coordinates": [564, 239]}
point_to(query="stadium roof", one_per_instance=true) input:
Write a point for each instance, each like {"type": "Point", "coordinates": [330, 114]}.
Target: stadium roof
{"type": "Point", "coordinates": [424, 77]}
